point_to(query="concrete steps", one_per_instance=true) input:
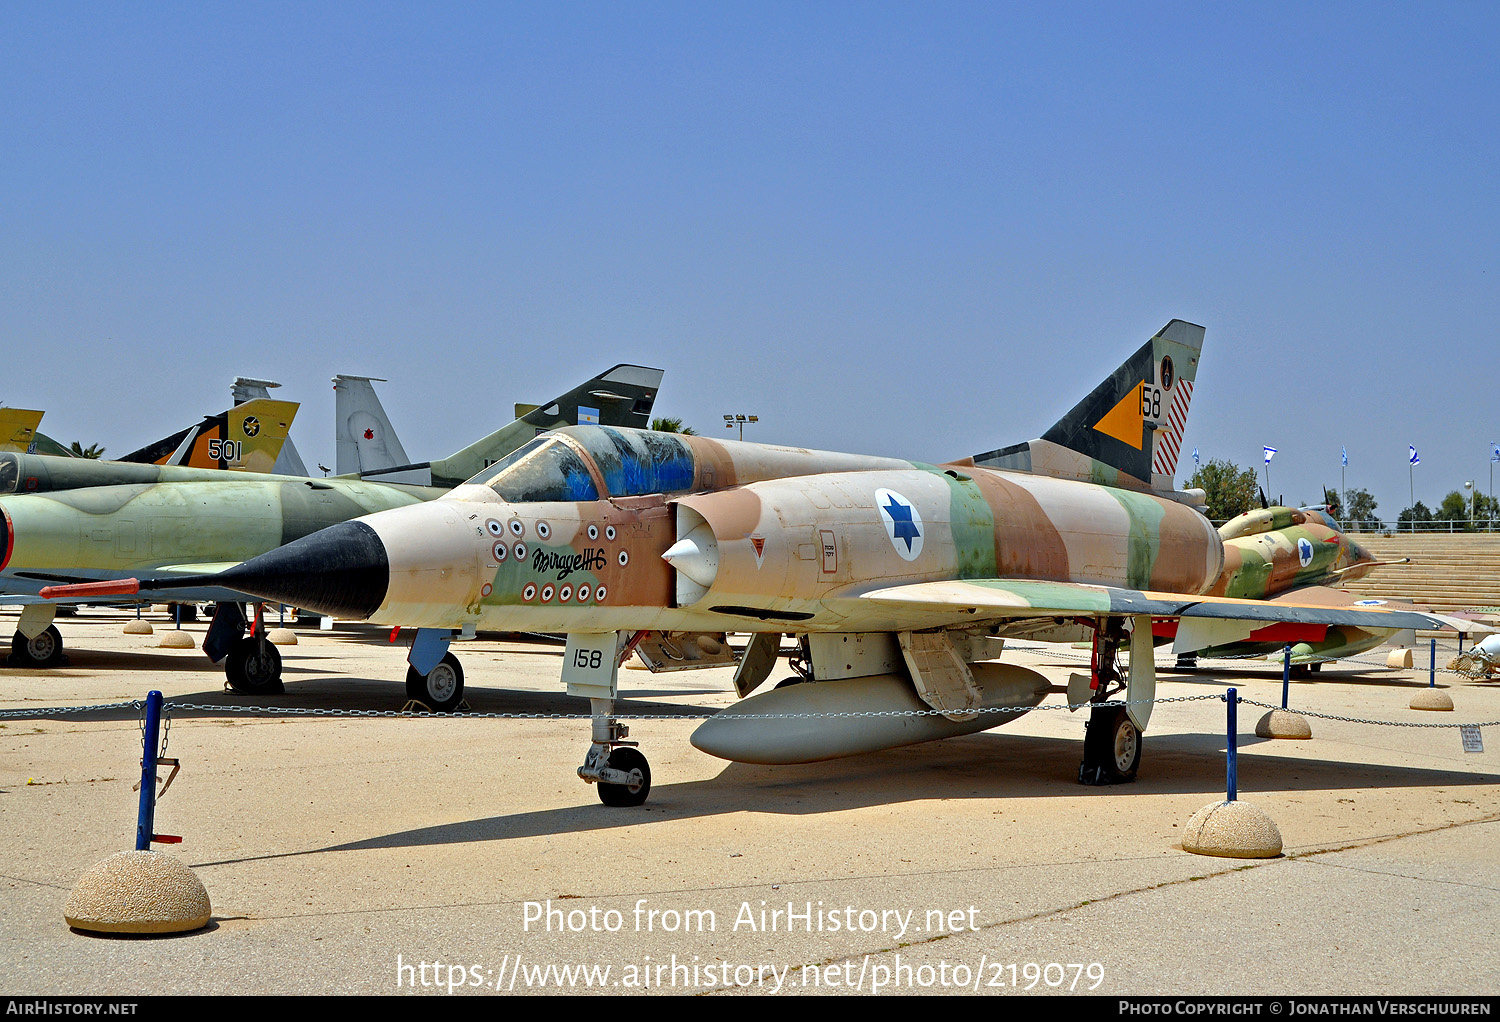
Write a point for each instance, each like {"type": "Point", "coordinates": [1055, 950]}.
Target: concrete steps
{"type": "Point", "coordinates": [1459, 571]}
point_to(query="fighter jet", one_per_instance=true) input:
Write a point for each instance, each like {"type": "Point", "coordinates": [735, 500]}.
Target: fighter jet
{"type": "Point", "coordinates": [76, 521]}
{"type": "Point", "coordinates": [1280, 554]}
{"type": "Point", "coordinates": [367, 445]}
{"type": "Point", "coordinates": [895, 576]}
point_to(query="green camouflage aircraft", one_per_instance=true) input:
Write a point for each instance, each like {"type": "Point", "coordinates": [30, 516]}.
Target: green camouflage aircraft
{"type": "Point", "coordinates": [895, 577]}
{"type": "Point", "coordinates": [1278, 554]}
{"type": "Point", "coordinates": [73, 520]}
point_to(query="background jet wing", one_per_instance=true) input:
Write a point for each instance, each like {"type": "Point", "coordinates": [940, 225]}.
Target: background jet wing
{"type": "Point", "coordinates": [975, 600]}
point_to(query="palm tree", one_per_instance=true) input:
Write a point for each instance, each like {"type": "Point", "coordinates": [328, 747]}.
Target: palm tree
{"type": "Point", "coordinates": [91, 451]}
{"type": "Point", "coordinates": [672, 425]}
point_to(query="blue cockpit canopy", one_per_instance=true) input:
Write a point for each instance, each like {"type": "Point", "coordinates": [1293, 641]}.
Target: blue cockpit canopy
{"type": "Point", "coordinates": [555, 466]}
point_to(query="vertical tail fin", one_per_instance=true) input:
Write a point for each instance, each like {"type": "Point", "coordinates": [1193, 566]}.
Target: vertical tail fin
{"type": "Point", "coordinates": [365, 439]}
{"type": "Point", "coordinates": [247, 438]}
{"type": "Point", "coordinates": [621, 396]}
{"type": "Point", "coordinates": [1128, 431]}
{"type": "Point", "coordinates": [18, 429]}
{"type": "Point", "coordinates": [288, 462]}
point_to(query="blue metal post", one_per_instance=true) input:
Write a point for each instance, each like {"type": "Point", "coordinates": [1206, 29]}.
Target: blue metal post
{"type": "Point", "coordinates": [1286, 673]}
{"type": "Point", "coordinates": [146, 820]}
{"type": "Point", "coordinates": [1232, 759]}
{"type": "Point", "coordinates": [1432, 667]}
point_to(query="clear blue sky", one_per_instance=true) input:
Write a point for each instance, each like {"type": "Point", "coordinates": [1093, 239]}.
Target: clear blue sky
{"type": "Point", "coordinates": [915, 229]}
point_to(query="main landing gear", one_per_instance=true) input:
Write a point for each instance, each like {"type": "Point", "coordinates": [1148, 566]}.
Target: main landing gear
{"type": "Point", "coordinates": [45, 649]}
{"type": "Point", "coordinates": [441, 689]}
{"type": "Point", "coordinates": [434, 679]}
{"type": "Point", "coordinates": [1112, 740]}
{"type": "Point", "coordinates": [252, 665]}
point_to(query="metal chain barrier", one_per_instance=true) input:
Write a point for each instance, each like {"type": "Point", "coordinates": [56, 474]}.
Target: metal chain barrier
{"type": "Point", "coordinates": [309, 711]}
{"type": "Point", "coordinates": [1361, 720]}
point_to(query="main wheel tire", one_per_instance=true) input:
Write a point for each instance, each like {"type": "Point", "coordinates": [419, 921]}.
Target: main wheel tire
{"type": "Point", "coordinates": [441, 688]}
{"type": "Point", "coordinates": [43, 650]}
{"type": "Point", "coordinates": [253, 668]}
{"type": "Point", "coordinates": [627, 759]}
{"type": "Point", "coordinates": [1111, 747]}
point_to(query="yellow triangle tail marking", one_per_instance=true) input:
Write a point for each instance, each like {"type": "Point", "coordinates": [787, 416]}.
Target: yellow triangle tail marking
{"type": "Point", "coordinates": [1124, 421]}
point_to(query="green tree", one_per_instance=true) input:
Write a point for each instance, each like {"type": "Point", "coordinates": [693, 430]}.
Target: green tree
{"type": "Point", "coordinates": [1416, 518]}
{"type": "Point", "coordinates": [1230, 489]}
{"type": "Point", "coordinates": [1455, 509]}
{"type": "Point", "coordinates": [672, 425]}
{"type": "Point", "coordinates": [1361, 511]}
{"type": "Point", "coordinates": [1486, 510]}
{"type": "Point", "coordinates": [91, 451]}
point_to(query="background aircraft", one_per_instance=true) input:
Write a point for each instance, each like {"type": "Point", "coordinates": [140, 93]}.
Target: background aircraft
{"type": "Point", "coordinates": [250, 437]}
{"type": "Point", "coordinates": [895, 576]}
{"type": "Point", "coordinates": [183, 521]}
{"type": "Point", "coordinates": [18, 428]}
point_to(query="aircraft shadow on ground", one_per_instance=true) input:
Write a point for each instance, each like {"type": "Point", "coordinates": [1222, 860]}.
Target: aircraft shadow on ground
{"type": "Point", "coordinates": [357, 695]}
{"type": "Point", "coordinates": [987, 766]}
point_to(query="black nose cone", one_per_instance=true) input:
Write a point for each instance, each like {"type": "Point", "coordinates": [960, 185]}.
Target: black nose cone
{"type": "Point", "coordinates": [342, 571]}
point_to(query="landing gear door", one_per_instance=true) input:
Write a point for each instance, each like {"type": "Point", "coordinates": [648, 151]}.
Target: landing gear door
{"type": "Point", "coordinates": [591, 664]}
{"type": "Point", "coordinates": [1140, 687]}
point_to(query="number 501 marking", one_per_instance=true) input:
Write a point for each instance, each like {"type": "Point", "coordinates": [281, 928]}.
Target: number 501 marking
{"type": "Point", "coordinates": [224, 450]}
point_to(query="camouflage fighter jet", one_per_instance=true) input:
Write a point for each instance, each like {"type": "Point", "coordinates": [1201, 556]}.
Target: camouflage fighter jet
{"type": "Point", "coordinates": [1285, 554]}
{"type": "Point", "coordinates": [895, 576]}
{"type": "Point", "coordinates": [67, 520]}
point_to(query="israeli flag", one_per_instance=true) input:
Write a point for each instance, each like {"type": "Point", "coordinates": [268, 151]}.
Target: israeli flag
{"type": "Point", "coordinates": [1413, 457]}
{"type": "Point", "coordinates": [1269, 451]}
{"type": "Point", "coordinates": [1195, 456]}
{"type": "Point", "coordinates": [1495, 456]}
{"type": "Point", "coordinates": [1344, 456]}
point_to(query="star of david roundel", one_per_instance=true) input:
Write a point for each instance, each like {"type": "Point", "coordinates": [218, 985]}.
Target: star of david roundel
{"type": "Point", "coordinates": [903, 523]}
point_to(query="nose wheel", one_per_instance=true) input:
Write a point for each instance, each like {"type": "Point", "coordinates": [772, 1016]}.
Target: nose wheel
{"type": "Point", "coordinates": [616, 766]}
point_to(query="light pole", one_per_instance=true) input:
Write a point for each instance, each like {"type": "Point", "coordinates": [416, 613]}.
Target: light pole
{"type": "Point", "coordinates": [731, 421]}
